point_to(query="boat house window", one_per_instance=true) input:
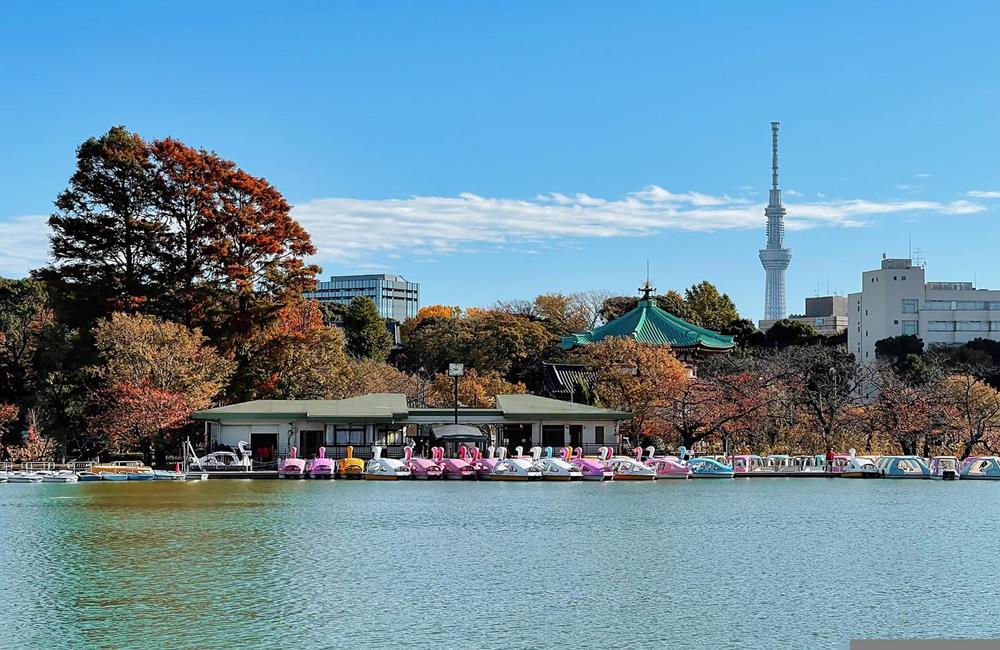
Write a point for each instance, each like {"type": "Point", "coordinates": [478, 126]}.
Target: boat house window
{"type": "Point", "coordinates": [349, 434]}
{"type": "Point", "coordinates": [599, 435]}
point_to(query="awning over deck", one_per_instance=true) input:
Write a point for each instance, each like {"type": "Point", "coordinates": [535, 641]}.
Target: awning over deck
{"type": "Point", "coordinates": [459, 433]}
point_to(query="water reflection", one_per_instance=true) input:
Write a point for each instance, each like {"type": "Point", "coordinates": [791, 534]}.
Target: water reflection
{"type": "Point", "coordinates": [745, 563]}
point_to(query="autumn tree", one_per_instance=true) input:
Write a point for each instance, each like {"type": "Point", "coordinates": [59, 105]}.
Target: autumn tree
{"type": "Point", "coordinates": [186, 186]}
{"type": "Point", "coordinates": [105, 235]}
{"type": "Point", "coordinates": [366, 331]}
{"type": "Point", "coordinates": [366, 376]}
{"type": "Point", "coordinates": [475, 389]}
{"type": "Point", "coordinates": [900, 411]}
{"type": "Point", "coordinates": [487, 340]}
{"type": "Point", "coordinates": [153, 375]}
{"type": "Point", "coordinates": [824, 385]}
{"type": "Point", "coordinates": [971, 415]}
{"type": "Point", "coordinates": [639, 378]}
{"type": "Point", "coordinates": [726, 402]}
{"type": "Point", "coordinates": [297, 357]}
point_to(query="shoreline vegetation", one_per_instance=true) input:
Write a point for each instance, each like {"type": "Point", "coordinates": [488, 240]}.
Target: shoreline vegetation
{"type": "Point", "coordinates": [176, 282]}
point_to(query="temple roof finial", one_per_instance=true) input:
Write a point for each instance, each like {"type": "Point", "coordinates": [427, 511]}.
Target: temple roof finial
{"type": "Point", "coordinates": [647, 290]}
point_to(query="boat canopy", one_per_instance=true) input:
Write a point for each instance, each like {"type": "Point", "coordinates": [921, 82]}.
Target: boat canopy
{"type": "Point", "coordinates": [459, 433]}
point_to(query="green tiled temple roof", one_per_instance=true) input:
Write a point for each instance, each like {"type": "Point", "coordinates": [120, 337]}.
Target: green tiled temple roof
{"type": "Point", "coordinates": [647, 323]}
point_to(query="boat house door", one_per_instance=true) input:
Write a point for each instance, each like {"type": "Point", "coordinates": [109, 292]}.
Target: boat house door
{"type": "Point", "coordinates": [310, 442]}
{"type": "Point", "coordinates": [575, 435]}
{"type": "Point", "coordinates": [264, 446]}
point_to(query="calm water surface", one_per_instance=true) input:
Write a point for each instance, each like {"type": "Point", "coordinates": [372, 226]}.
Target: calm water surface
{"type": "Point", "coordinates": [777, 563]}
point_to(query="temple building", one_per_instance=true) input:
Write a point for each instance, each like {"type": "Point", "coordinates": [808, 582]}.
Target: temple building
{"type": "Point", "coordinates": [648, 323]}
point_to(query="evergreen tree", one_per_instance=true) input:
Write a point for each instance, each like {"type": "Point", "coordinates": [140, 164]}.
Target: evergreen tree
{"type": "Point", "coordinates": [367, 336]}
{"type": "Point", "coordinates": [105, 235]}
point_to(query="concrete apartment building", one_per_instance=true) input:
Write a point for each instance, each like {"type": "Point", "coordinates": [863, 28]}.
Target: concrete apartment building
{"type": "Point", "coordinates": [895, 300]}
{"type": "Point", "coordinates": [825, 314]}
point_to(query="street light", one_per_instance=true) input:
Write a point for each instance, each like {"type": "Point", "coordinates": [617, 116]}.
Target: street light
{"type": "Point", "coordinates": [456, 370]}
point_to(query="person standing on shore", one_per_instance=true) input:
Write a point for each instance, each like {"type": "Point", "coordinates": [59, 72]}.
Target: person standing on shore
{"type": "Point", "coordinates": [829, 459]}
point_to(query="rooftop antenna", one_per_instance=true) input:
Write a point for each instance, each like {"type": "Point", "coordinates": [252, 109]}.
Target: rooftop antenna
{"type": "Point", "coordinates": [647, 289]}
{"type": "Point", "coordinates": [919, 258]}
{"type": "Point", "coordinates": [909, 247]}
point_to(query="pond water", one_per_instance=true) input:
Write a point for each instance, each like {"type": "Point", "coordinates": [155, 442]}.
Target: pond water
{"type": "Point", "coordinates": [775, 563]}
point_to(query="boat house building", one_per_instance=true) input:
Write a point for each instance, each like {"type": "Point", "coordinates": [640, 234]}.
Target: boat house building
{"type": "Point", "coordinates": [385, 419]}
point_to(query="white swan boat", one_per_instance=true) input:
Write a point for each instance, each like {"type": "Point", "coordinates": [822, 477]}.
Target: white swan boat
{"type": "Point", "coordinates": [24, 477]}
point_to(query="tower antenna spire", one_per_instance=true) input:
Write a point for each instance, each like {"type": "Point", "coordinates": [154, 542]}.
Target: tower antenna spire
{"type": "Point", "coordinates": [774, 257]}
{"type": "Point", "coordinates": [774, 155]}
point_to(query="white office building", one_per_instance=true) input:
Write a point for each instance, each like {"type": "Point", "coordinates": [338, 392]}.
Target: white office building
{"type": "Point", "coordinates": [895, 300]}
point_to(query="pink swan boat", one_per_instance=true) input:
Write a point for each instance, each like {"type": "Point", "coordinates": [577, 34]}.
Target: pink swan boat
{"type": "Point", "coordinates": [591, 468]}
{"type": "Point", "coordinates": [292, 467]}
{"type": "Point", "coordinates": [321, 467]}
{"type": "Point", "coordinates": [666, 466]}
{"type": "Point", "coordinates": [422, 468]}
{"type": "Point", "coordinates": [484, 466]}
{"type": "Point", "coordinates": [456, 468]}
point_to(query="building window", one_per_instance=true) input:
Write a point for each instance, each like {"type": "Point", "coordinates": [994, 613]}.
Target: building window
{"type": "Point", "coordinates": [909, 305]}
{"type": "Point", "coordinates": [894, 278]}
{"type": "Point", "coordinates": [904, 278]}
{"type": "Point", "coordinates": [895, 322]}
{"type": "Point", "coordinates": [941, 326]}
{"type": "Point", "coordinates": [599, 435]}
{"type": "Point", "coordinates": [971, 305]}
{"type": "Point", "coordinates": [349, 434]}
{"type": "Point", "coordinates": [971, 326]}
{"type": "Point", "coordinates": [939, 305]}
{"type": "Point", "coordinates": [910, 328]}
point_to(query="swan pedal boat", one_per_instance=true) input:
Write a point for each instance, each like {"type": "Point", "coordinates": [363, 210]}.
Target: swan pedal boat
{"type": "Point", "coordinates": [385, 469]}
{"type": "Point", "coordinates": [421, 468]}
{"type": "Point", "coordinates": [516, 468]}
{"type": "Point", "coordinates": [704, 467]}
{"type": "Point", "coordinates": [626, 468]}
{"type": "Point", "coordinates": [860, 467]}
{"type": "Point", "coordinates": [556, 469]}
{"type": "Point", "coordinates": [62, 476]}
{"type": "Point", "coordinates": [293, 466]}
{"type": "Point", "coordinates": [321, 467]}
{"type": "Point", "coordinates": [23, 477]}
{"type": "Point", "coordinates": [593, 469]}
{"type": "Point", "coordinates": [980, 468]}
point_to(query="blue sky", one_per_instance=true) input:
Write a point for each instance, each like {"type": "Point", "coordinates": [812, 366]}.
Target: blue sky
{"type": "Point", "coordinates": [499, 150]}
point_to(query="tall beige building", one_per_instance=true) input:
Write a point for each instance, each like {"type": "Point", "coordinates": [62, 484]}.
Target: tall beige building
{"type": "Point", "coordinates": [895, 300]}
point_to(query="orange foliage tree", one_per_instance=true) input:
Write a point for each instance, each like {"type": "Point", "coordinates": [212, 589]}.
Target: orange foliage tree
{"type": "Point", "coordinates": [639, 378]}
{"type": "Point", "coordinates": [475, 390]}
{"type": "Point", "coordinates": [153, 374]}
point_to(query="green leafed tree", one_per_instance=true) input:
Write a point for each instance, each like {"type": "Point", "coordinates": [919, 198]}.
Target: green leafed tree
{"type": "Point", "coordinates": [709, 308]}
{"type": "Point", "coordinates": [786, 333]}
{"type": "Point", "coordinates": [365, 330]}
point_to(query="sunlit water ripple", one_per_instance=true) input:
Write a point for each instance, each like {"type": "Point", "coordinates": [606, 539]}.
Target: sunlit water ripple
{"type": "Point", "coordinates": [777, 563]}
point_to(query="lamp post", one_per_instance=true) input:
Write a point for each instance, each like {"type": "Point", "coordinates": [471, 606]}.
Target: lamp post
{"type": "Point", "coordinates": [456, 370]}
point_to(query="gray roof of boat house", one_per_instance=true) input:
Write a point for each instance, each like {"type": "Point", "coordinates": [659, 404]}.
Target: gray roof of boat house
{"type": "Point", "coordinates": [392, 408]}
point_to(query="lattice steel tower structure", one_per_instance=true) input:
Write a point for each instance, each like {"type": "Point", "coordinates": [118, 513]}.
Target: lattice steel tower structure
{"type": "Point", "coordinates": [775, 257]}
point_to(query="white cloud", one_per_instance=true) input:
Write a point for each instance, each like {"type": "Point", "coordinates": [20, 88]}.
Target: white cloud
{"type": "Point", "coordinates": [922, 175]}
{"type": "Point", "coordinates": [984, 194]}
{"type": "Point", "coordinates": [791, 193]}
{"type": "Point", "coordinates": [367, 231]}
{"type": "Point", "coordinates": [24, 244]}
